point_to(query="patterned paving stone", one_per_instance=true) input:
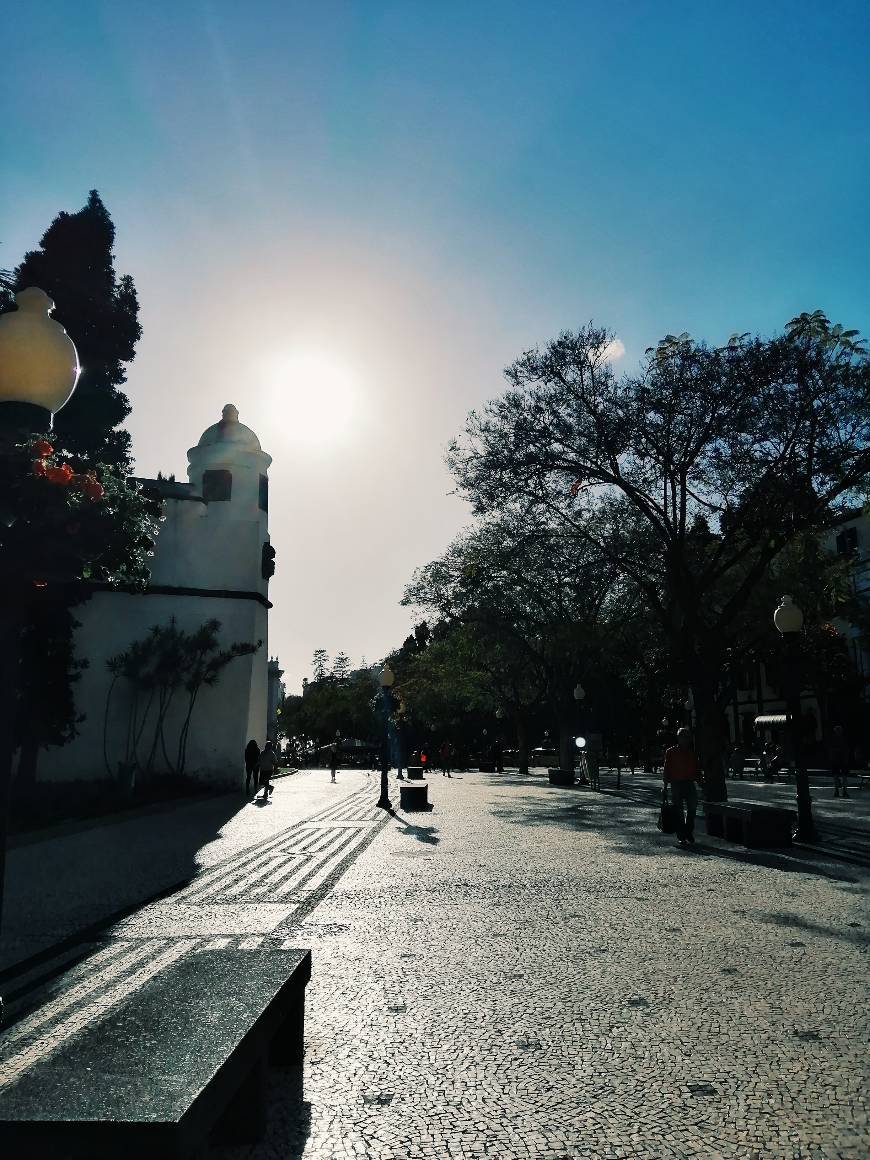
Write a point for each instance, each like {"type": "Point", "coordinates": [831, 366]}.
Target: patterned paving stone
{"type": "Point", "coordinates": [552, 979]}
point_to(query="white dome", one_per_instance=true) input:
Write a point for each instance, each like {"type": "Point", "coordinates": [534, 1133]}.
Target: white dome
{"type": "Point", "coordinates": [230, 430]}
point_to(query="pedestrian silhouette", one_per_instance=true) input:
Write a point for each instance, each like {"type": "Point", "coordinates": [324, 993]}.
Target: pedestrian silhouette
{"type": "Point", "coordinates": [252, 765]}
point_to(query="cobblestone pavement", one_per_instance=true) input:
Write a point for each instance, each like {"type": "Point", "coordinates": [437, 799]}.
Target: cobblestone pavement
{"type": "Point", "coordinates": [529, 972]}
{"type": "Point", "coordinates": [239, 900]}
{"type": "Point", "coordinates": [62, 881]}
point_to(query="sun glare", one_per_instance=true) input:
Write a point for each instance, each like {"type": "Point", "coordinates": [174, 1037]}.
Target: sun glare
{"type": "Point", "coordinates": [313, 395]}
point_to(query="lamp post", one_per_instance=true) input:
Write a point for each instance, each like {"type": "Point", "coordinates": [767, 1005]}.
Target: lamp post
{"type": "Point", "coordinates": [39, 369]}
{"type": "Point", "coordinates": [387, 680]}
{"type": "Point", "coordinates": [579, 697]}
{"type": "Point", "coordinates": [789, 620]}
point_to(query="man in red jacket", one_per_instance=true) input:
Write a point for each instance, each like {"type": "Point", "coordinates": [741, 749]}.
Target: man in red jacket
{"type": "Point", "coordinates": [681, 773]}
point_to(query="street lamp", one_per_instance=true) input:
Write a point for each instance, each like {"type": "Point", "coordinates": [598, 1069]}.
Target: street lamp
{"type": "Point", "coordinates": [789, 620]}
{"type": "Point", "coordinates": [387, 680]}
{"type": "Point", "coordinates": [39, 369]}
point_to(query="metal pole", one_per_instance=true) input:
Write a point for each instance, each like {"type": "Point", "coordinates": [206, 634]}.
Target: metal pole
{"type": "Point", "coordinates": [384, 802]}
{"type": "Point", "coordinates": [806, 830]}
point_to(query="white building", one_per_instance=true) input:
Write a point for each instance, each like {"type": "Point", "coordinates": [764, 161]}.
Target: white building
{"type": "Point", "coordinates": [212, 561]}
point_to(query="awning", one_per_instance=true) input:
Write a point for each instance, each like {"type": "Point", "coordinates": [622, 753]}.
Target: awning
{"type": "Point", "coordinates": [772, 719]}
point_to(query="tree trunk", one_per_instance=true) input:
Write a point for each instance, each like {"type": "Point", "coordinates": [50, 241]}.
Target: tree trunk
{"type": "Point", "coordinates": [708, 741]}
{"type": "Point", "coordinates": [566, 744]}
{"type": "Point", "coordinates": [28, 758]}
{"type": "Point", "coordinates": [522, 743]}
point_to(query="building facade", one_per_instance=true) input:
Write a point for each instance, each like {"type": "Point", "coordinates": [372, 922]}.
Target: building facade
{"type": "Point", "coordinates": [212, 562]}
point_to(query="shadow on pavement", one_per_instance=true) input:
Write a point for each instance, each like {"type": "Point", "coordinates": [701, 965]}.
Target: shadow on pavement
{"type": "Point", "coordinates": [794, 922]}
{"type": "Point", "coordinates": [64, 885]}
{"type": "Point", "coordinates": [288, 1121]}
{"type": "Point", "coordinates": [425, 834]}
{"type": "Point", "coordinates": [631, 826]}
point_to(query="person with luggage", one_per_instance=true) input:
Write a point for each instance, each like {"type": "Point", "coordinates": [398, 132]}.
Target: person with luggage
{"type": "Point", "coordinates": [682, 773]}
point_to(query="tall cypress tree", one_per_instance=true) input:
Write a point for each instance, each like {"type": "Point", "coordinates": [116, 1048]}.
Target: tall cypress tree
{"type": "Point", "coordinates": [75, 265]}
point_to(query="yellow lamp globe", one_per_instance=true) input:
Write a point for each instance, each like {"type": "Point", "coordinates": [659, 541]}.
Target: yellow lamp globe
{"type": "Point", "coordinates": [39, 364]}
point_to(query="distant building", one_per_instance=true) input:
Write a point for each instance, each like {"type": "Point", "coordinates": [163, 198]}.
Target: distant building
{"type": "Point", "coordinates": [212, 560]}
{"type": "Point", "coordinates": [755, 694]}
{"type": "Point", "coordinates": [276, 693]}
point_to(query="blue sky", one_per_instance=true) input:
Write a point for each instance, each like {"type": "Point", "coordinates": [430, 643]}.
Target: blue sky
{"type": "Point", "coordinates": [413, 194]}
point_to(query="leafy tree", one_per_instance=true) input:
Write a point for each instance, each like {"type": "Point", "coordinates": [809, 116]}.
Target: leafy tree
{"type": "Point", "coordinates": [62, 526]}
{"type": "Point", "coordinates": [320, 664]}
{"type": "Point", "coordinates": [75, 266]}
{"type": "Point", "coordinates": [690, 477]}
{"type": "Point", "coordinates": [539, 602]}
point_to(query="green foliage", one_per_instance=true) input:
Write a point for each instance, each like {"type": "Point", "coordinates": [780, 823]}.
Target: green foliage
{"type": "Point", "coordinates": [75, 266]}
{"type": "Point", "coordinates": [63, 523]}
{"type": "Point", "coordinates": [320, 664]}
{"type": "Point", "coordinates": [690, 478]}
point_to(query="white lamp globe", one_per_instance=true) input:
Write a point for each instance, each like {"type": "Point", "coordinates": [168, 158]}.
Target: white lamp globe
{"type": "Point", "coordinates": [39, 364]}
{"type": "Point", "coordinates": [788, 617]}
{"type": "Point", "coordinates": [387, 677]}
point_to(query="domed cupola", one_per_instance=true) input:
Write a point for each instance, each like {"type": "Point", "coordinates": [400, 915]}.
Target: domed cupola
{"type": "Point", "coordinates": [228, 465]}
{"type": "Point", "coordinates": [230, 431]}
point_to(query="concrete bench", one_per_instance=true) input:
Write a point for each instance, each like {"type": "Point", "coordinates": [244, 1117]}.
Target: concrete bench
{"type": "Point", "coordinates": [561, 776]}
{"type": "Point", "coordinates": [414, 795]}
{"type": "Point", "coordinates": [750, 824]}
{"type": "Point", "coordinates": [415, 772]}
{"type": "Point", "coordinates": [183, 1056]}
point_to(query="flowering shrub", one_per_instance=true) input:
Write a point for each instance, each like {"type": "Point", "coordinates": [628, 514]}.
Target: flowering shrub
{"type": "Point", "coordinates": [63, 520]}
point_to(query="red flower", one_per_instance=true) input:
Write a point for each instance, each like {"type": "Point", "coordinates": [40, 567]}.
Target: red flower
{"type": "Point", "coordinates": [62, 474]}
{"type": "Point", "coordinates": [89, 485]}
{"type": "Point", "coordinates": [42, 447]}
{"type": "Point", "coordinates": [38, 467]}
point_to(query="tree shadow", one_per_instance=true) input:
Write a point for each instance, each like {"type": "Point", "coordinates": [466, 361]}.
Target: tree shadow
{"type": "Point", "coordinates": [795, 922]}
{"type": "Point", "coordinates": [630, 826]}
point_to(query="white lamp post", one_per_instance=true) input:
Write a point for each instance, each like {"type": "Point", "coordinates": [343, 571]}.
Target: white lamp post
{"type": "Point", "coordinates": [39, 369]}
{"type": "Point", "coordinates": [789, 620]}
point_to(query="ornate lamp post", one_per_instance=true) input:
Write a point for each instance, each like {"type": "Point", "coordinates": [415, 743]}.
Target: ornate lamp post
{"type": "Point", "coordinates": [39, 369]}
{"type": "Point", "coordinates": [386, 680]}
{"type": "Point", "coordinates": [789, 620]}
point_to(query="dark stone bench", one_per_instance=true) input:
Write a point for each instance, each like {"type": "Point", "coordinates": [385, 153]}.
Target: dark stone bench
{"type": "Point", "coordinates": [415, 772]}
{"type": "Point", "coordinates": [561, 776]}
{"type": "Point", "coordinates": [751, 824]}
{"type": "Point", "coordinates": [414, 795]}
{"type": "Point", "coordinates": [486, 767]}
{"type": "Point", "coordinates": [183, 1056]}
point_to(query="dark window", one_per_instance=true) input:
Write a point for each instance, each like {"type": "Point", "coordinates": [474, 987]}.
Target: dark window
{"type": "Point", "coordinates": [217, 485]}
{"type": "Point", "coordinates": [847, 541]}
{"type": "Point", "coordinates": [264, 493]}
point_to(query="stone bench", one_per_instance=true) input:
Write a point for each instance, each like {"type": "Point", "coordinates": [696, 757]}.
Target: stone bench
{"type": "Point", "coordinates": [414, 795]}
{"type": "Point", "coordinates": [415, 772]}
{"type": "Point", "coordinates": [561, 776]}
{"type": "Point", "coordinates": [750, 824]}
{"type": "Point", "coordinates": [180, 1058]}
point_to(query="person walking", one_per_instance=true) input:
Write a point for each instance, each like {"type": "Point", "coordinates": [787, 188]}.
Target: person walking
{"type": "Point", "coordinates": [252, 765]}
{"type": "Point", "coordinates": [682, 773]}
{"type": "Point", "coordinates": [444, 754]}
{"type": "Point", "coordinates": [838, 753]}
{"type": "Point", "coordinates": [268, 765]}
{"type": "Point", "coordinates": [333, 760]}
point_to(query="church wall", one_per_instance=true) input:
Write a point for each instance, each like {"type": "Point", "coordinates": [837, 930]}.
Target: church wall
{"type": "Point", "coordinates": [211, 554]}
{"type": "Point", "coordinates": [225, 715]}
